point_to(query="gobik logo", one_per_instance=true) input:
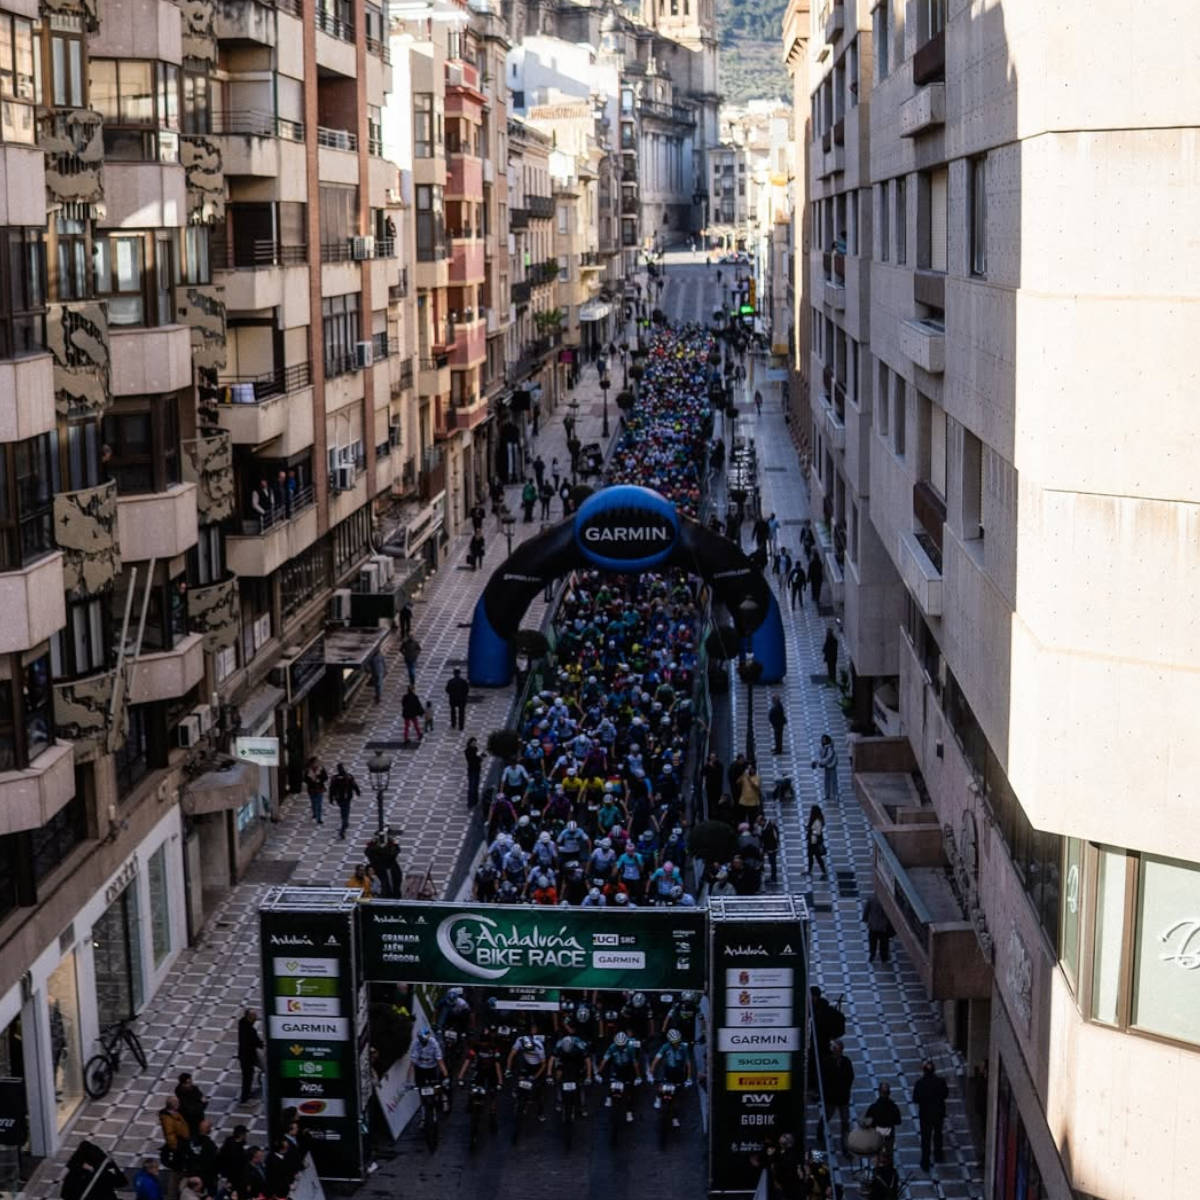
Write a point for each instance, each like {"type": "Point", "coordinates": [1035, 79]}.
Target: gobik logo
{"type": "Point", "coordinates": [482, 947]}
{"type": "Point", "coordinates": [624, 528]}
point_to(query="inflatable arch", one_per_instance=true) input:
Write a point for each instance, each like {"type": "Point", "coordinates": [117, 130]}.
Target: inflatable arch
{"type": "Point", "coordinates": [623, 529]}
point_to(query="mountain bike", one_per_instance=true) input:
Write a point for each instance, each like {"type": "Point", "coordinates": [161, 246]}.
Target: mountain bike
{"type": "Point", "coordinates": [570, 1108]}
{"type": "Point", "coordinates": [431, 1112]}
{"type": "Point", "coordinates": [99, 1070]}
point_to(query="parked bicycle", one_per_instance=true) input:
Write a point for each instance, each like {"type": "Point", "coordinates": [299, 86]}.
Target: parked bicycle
{"type": "Point", "coordinates": [100, 1068]}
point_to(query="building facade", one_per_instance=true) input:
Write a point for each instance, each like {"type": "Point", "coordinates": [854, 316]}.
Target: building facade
{"type": "Point", "coordinates": [970, 382]}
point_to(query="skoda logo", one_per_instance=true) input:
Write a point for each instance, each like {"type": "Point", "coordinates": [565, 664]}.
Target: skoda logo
{"type": "Point", "coordinates": [626, 527]}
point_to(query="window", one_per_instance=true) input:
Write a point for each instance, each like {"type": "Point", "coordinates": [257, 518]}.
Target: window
{"type": "Point", "coordinates": [26, 502]}
{"type": "Point", "coordinates": [66, 70]}
{"type": "Point", "coordinates": [977, 215]}
{"type": "Point", "coordinates": [901, 192]}
{"type": "Point", "coordinates": [882, 402]}
{"type": "Point", "coordinates": [166, 615]}
{"type": "Point", "coordinates": [22, 291]}
{"type": "Point", "coordinates": [564, 268]}
{"type": "Point", "coordinates": [26, 710]}
{"type": "Point", "coordinates": [83, 646]}
{"type": "Point", "coordinates": [339, 220]}
{"type": "Point", "coordinates": [852, 74]}
{"type": "Point", "coordinates": [972, 486]}
{"type": "Point", "coordinates": [119, 270]}
{"type": "Point", "coordinates": [141, 443]}
{"type": "Point", "coordinates": [1166, 944]}
{"type": "Point", "coordinates": [884, 226]}
{"type": "Point", "coordinates": [1107, 934]}
{"type": "Point", "coordinates": [341, 330]}
{"type": "Point", "coordinates": [50, 844]}
{"type": "Point", "coordinates": [304, 576]}
{"type": "Point", "coordinates": [423, 110]}
{"type": "Point", "coordinates": [1072, 906]}
{"type": "Point", "coordinates": [899, 416]}
{"type": "Point", "coordinates": [931, 217]}
{"type": "Point", "coordinates": [936, 427]}
{"type": "Point", "coordinates": [375, 130]}
{"type": "Point", "coordinates": [431, 224]}
{"type": "Point", "coordinates": [72, 280]}
{"type": "Point", "coordinates": [192, 262]}
{"type": "Point", "coordinates": [75, 454]}
{"type": "Point", "coordinates": [562, 218]}
{"type": "Point", "coordinates": [160, 905]}
{"type": "Point", "coordinates": [206, 560]}
{"type": "Point", "coordinates": [139, 101]}
{"type": "Point", "coordinates": [882, 34]}
{"type": "Point", "coordinates": [20, 82]}
{"type": "Point", "coordinates": [1016, 1175]}
{"type": "Point", "coordinates": [196, 102]}
{"type": "Point", "coordinates": [132, 760]}
{"type": "Point", "coordinates": [931, 19]}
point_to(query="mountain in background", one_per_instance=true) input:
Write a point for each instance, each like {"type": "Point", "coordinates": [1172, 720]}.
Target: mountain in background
{"type": "Point", "coordinates": [751, 58]}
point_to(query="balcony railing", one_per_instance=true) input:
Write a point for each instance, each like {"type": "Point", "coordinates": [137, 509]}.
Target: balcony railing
{"type": "Point", "coordinates": [283, 510]}
{"type": "Point", "coordinates": [336, 139]}
{"type": "Point", "coordinates": [589, 258]}
{"type": "Point", "coordinates": [518, 218]}
{"type": "Point", "coordinates": [271, 383]}
{"type": "Point", "coordinates": [541, 207]}
{"type": "Point", "coordinates": [379, 49]}
{"type": "Point", "coordinates": [334, 26]}
{"type": "Point", "coordinates": [521, 291]}
{"type": "Point", "coordinates": [383, 346]}
{"type": "Point", "coordinates": [290, 6]}
{"type": "Point", "coordinates": [929, 511]}
{"type": "Point", "coordinates": [256, 123]}
{"type": "Point", "coordinates": [629, 205]}
{"type": "Point", "coordinates": [247, 254]}
{"type": "Point", "coordinates": [406, 375]}
{"type": "Point", "coordinates": [399, 291]}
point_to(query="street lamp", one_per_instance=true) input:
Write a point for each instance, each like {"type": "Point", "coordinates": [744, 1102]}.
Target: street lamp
{"type": "Point", "coordinates": [508, 521]}
{"type": "Point", "coordinates": [751, 671]}
{"type": "Point", "coordinates": [605, 384]}
{"type": "Point", "coordinates": [379, 767]}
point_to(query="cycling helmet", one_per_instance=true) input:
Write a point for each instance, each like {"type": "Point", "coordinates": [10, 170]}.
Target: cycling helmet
{"type": "Point", "coordinates": [668, 867]}
{"type": "Point", "coordinates": [543, 881]}
{"type": "Point", "coordinates": [423, 1034]}
{"type": "Point", "coordinates": [621, 898]}
{"type": "Point", "coordinates": [493, 1001]}
{"type": "Point", "coordinates": [582, 1013]}
{"type": "Point", "coordinates": [527, 1043]}
{"type": "Point", "coordinates": [638, 1000]}
{"type": "Point", "coordinates": [454, 994]}
{"type": "Point", "coordinates": [674, 1037]}
{"type": "Point", "coordinates": [523, 821]}
{"type": "Point", "coordinates": [572, 825]}
{"type": "Point", "coordinates": [544, 836]}
{"type": "Point", "coordinates": [606, 843]}
{"type": "Point", "coordinates": [622, 1039]}
{"type": "Point", "coordinates": [689, 997]}
{"type": "Point", "coordinates": [595, 891]}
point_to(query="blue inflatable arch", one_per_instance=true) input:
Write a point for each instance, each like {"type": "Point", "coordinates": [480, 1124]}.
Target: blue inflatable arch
{"type": "Point", "coordinates": [623, 529]}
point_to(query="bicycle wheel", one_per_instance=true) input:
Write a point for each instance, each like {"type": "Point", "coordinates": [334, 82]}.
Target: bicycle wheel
{"type": "Point", "coordinates": [97, 1076]}
{"type": "Point", "coordinates": [431, 1127]}
{"type": "Point", "coordinates": [135, 1047]}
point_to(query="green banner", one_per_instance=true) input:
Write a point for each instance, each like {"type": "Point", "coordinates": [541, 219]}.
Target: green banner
{"type": "Point", "coordinates": [508, 946]}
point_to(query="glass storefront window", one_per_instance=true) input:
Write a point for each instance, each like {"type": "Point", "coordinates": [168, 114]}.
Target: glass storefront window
{"type": "Point", "coordinates": [1166, 971]}
{"type": "Point", "coordinates": [1110, 918]}
{"type": "Point", "coordinates": [117, 958]}
{"type": "Point", "coordinates": [160, 905]}
{"type": "Point", "coordinates": [66, 1050]}
{"type": "Point", "coordinates": [1072, 905]}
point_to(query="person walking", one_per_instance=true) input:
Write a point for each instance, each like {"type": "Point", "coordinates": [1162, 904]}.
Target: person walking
{"type": "Point", "coordinates": [929, 1096]}
{"type": "Point", "coordinates": [545, 495]}
{"type": "Point", "coordinates": [768, 836]}
{"type": "Point", "coordinates": [476, 551]}
{"type": "Point", "coordinates": [814, 840]}
{"type": "Point", "coordinates": [233, 1159]}
{"type": "Point", "coordinates": [829, 652]}
{"type": "Point", "coordinates": [749, 794]}
{"type": "Point", "coordinates": [406, 616]}
{"type": "Point", "coordinates": [410, 648]}
{"type": "Point", "coordinates": [378, 669]}
{"type": "Point", "coordinates": [411, 709]}
{"type": "Point", "coordinates": [758, 401]}
{"type": "Point", "coordinates": [796, 581]}
{"type": "Point", "coordinates": [816, 577]}
{"type": "Point", "coordinates": [555, 472]}
{"type": "Point", "coordinates": [175, 1133]}
{"type": "Point", "coordinates": [837, 1084]}
{"type": "Point", "coordinates": [478, 515]}
{"type": "Point", "coordinates": [773, 533]}
{"type": "Point", "coordinates": [457, 690]}
{"type": "Point", "coordinates": [777, 719]}
{"type": "Point", "coordinates": [316, 778]}
{"type": "Point", "coordinates": [827, 760]}
{"type": "Point", "coordinates": [343, 787]}
{"type": "Point", "coordinates": [714, 783]}
{"type": "Point", "coordinates": [249, 1046]}
{"type": "Point", "coordinates": [474, 757]}
{"type": "Point", "coordinates": [146, 1183]}
{"type": "Point", "coordinates": [529, 495]}
{"type": "Point", "coordinates": [879, 929]}
{"type": "Point", "coordinates": [201, 1157]}
{"type": "Point", "coordinates": [539, 470]}
{"type": "Point", "coordinates": [192, 1102]}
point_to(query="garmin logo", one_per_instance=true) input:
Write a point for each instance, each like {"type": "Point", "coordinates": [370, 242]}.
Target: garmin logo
{"type": "Point", "coordinates": [628, 533]}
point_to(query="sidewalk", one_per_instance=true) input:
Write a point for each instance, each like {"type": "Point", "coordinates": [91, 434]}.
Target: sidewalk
{"type": "Point", "coordinates": [890, 1024]}
{"type": "Point", "coordinates": [190, 1025]}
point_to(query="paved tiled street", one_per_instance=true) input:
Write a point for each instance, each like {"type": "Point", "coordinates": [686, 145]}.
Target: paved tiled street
{"type": "Point", "coordinates": [890, 1024]}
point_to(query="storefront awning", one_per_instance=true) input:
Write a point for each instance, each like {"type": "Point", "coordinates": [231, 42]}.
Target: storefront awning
{"type": "Point", "coordinates": [217, 791]}
{"type": "Point", "coordinates": [594, 310]}
{"type": "Point", "coordinates": [352, 647]}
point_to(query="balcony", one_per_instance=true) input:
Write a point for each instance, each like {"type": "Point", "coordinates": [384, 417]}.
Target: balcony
{"type": "Point", "coordinates": [246, 23]}
{"type": "Point", "coordinates": [85, 528]}
{"type": "Point", "coordinates": [929, 62]}
{"type": "Point", "coordinates": [464, 177]}
{"type": "Point", "coordinates": [81, 716]}
{"type": "Point", "coordinates": [518, 218]}
{"type": "Point", "coordinates": [541, 208]}
{"type": "Point", "coordinates": [833, 18]}
{"type": "Point", "coordinates": [402, 378]}
{"type": "Point", "coordinates": [27, 385]}
{"type": "Point", "coordinates": [208, 463]}
{"type": "Point", "coordinates": [521, 291]}
{"type": "Point", "coordinates": [29, 798]}
{"type": "Point", "coordinates": [835, 424]}
{"type": "Point", "coordinates": [432, 479]}
{"type": "Point", "coordinates": [433, 378]}
{"type": "Point", "coordinates": [214, 613]}
{"type": "Point", "coordinates": [168, 674]}
{"type": "Point", "coordinates": [835, 293]}
{"type": "Point", "coordinates": [260, 408]}
{"type": "Point", "coordinates": [150, 360]}
{"type": "Point", "coordinates": [267, 542]}
{"type": "Point", "coordinates": [157, 524]}
{"type": "Point", "coordinates": [925, 109]}
{"type": "Point", "coordinates": [144, 195]}
{"type": "Point", "coordinates": [32, 601]}
{"type": "Point", "coordinates": [929, 288]}
{"type": "Point", "coordinates": [326, 22]}
{"type": "Point", "coordinates": [924, 342]}
{"type": "Point", "coordinates": [920, 574]}
{"type": "Point", "coordinates": [630, 206]}
{"type": "Point", "coordinates": [470, 347]}
{"type": "Point", "coordinates": [466, 262]}
{"type": "Point", "coordinates": [590, 260]}
{"type": "Point", "coordinates": [254, 142]}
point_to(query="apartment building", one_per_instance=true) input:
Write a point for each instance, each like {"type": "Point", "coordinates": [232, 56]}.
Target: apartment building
{"type": "Point", "coordinates": [1013, 557]}
{"type": "Point", "coordinates": [194, 462]}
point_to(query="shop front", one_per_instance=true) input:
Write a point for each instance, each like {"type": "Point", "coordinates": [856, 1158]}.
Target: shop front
{"type": "Point", "coordinates": [347, 657]}
{"type": "Point", "coordinates": [297, 675]}
{"type": "Point", "coordinates": [104, 966]}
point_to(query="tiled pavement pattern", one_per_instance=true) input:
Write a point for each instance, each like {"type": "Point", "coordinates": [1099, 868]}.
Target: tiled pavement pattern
{"type": "Point", "coordinates": [191, 1023]}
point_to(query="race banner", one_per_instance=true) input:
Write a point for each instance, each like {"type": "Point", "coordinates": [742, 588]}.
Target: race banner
{"type": "Point", "coordinates": [507, 946]}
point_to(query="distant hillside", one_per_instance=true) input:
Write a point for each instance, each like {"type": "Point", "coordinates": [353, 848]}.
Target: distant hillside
{"type": "Point", "coordinates": [751, 66]}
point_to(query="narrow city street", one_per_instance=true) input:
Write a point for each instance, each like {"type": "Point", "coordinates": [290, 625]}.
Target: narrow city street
{"type": "Point", "coordinates": [891, 1026]}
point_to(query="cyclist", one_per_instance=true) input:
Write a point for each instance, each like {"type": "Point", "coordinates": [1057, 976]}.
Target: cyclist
{"type": "Point", "coordinates": [625, 1062]}
{"type": "Point", "coordinates": [676, 1059]}
{"type": "Point", "coordinates": [482, 1063]}
{"type": "Point", "coordinates": [570, 1062]}
{"type": "Point", "coordinates": [573, 843]}
{"type": "Point", "coordinates": [585, 1024]}
{"type": "Point", "coordinates": [637, 1018]}
{"type": "Point", "coordinates": [426, 1063]}
{"type": "Point", "coordinates": [683, 1014]}
{"type": "Point", "coordinates": [528, 1058]}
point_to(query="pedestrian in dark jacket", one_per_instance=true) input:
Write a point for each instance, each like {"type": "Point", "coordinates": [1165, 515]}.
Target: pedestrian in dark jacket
{"type": "Point", "coordinates": [255, 1183]}
{"type": "Point", "coordinates": [829, 651]}
{"type": "Point", "coordinates": [406, 615]}
{"type": "Point", "coordinates": [342, 790]}
{"type": "Point", "coordinates": [457, 691]}
{"type": "Point", "coordinates": [837, 1083]}
{"type": "Point", "coordinates": [383, 855]}
{"type": "Point", "coordinates": [411, 709]}
{"type": "Point", "coordinates": [476, 552]}
{"type": "Point", "coordinates": [201, 1156]}
{"type": "Point", "coordinates": [768, 836]}
{"type": "Point", "coordinates": [249, 1046]}
{"type": "Point", "coordinates": [316, 779]}
{"type": "Point", "coordinates": [191, 1101]}
{"type": "Point", "coordinates": [279, 1173]}
{"type": "Point", "coordinates": [796, 581]}
{"type": "Point", "coordinates": [883, 1113]}
{"type": "Point", "coordinates": [232, 1160]}
{"type": "Point", "coordinates": [378, 670]}
{"type": "Point", "coordinates": [816, 577]}
{"type": "Point", "coordinates": [777, 719]}
{"type": "Point", "coordinates": [478, 514]}
{"type": "Point", "coordinates": [879, 928]}
{"type": "Point", "coordinates": [814, 837]}
{"type": "Point", "coordinates": [474, 759]}
{"type": "Point", "coordinates": [930, 1095]}
{"type": "Point", "coordinates": [410, 648]}
{"type": "Point", "coordinates": [714, 783]}
{"type": "Point", "coordinates": [529, 495]}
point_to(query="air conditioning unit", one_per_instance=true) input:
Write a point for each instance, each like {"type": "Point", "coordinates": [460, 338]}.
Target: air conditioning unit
{"type": "Point", "coordinates": [363, 356]}
{"type": "Point", "coordinates": [387, 567]}
{"type": "Point", "coordinates": [334, 456]}
{"type": "Point", "coordinates": [343, 479]}
{"type": "Point", "coordinates": [204, 713]}
{"type": "Point", "coordinates": [339, 605]}
{"type": "Point", "coordinates": [368, 578]}
{"type": "Point", "coordinates": [362, 247]}
{"type": "Point", "coordinates": [187, 732]}
{"type": "Point", "coordinates": [393, 196]}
